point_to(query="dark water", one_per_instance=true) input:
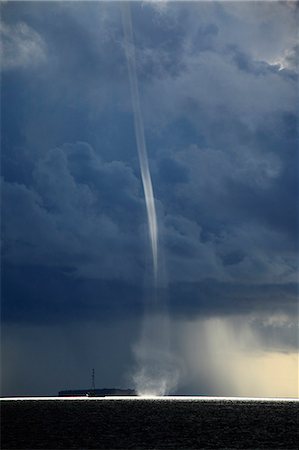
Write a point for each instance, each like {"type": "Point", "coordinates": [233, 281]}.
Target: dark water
{"type": "Point", "coordinates": [149, 424]}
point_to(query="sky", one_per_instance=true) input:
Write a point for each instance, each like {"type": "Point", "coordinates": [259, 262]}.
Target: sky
{"type": "Point", "coordinates": [219, 97]}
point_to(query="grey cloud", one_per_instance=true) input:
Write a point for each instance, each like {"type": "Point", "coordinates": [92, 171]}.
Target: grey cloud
{"type": "Point", "coordinates": [291, 57]}
{"type": "Point", "coordinates": [205, 37]}
{"type": "Point", "coordinates": [211, 298]}
{"type": "Point", "coordinates": [21, 46]}
{"type": "Point", "coordinates": [215, 96]}
{"type": "Point", "coordinates": [172, 171]}
{"type": "Point", "coordinates": [221, 130]}
{"type": "Point", "coordinates": [66, 221]}
{"type": "Point", "coordinates": [265, 29]}
{"type": "Point", "coordinates": [77, 217]}
{"type": "Point", "coordinates": [229, 206]}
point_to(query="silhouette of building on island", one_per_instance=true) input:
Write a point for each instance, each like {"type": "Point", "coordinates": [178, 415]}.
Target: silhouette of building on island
{"type": "Point", "coordinates": [97, 392]}
{"type": "Point", "coordinates": [93, 392]}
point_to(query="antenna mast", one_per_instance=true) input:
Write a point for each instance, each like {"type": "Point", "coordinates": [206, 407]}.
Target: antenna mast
{"type": "Point", "coordinates": [93, 386]}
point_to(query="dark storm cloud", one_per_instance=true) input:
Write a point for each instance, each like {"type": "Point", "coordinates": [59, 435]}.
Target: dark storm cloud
{"type": "Point", "coordinates": [220, 115]}
{"type": "Point", "coordinates": [205, 37]}
{"type": "Point", "coordinates": [171, 171]}
{"type": "Point", "coordinates": [47, 295]}
{"type": "Point", "coordinates": [79, 211]}
{"type": "Point", "coordinates": [229, 298]}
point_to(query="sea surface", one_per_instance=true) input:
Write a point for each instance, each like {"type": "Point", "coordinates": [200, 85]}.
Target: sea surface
{"type": "Point", "coordinates": [149, 424]}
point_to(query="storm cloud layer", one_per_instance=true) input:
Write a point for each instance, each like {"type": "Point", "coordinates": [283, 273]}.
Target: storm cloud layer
{"type": "Point", "coordinates": [218, 91]}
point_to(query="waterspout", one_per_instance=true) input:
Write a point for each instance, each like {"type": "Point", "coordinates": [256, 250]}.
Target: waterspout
{"type": "Point", "coordinates": [156, 372]}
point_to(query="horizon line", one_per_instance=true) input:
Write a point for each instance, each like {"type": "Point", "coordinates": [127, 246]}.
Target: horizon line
{"type": "Point", "coordinates": [152, 397]}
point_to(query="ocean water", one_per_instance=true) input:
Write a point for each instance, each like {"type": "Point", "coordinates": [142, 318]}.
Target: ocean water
{"type": "Point", "coordinates": [149, 424]}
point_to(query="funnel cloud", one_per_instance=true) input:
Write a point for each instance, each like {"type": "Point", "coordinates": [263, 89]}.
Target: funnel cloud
{"type": "Point", "coordinates": [140, 138]}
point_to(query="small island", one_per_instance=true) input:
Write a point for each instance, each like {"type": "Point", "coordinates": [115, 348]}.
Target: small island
{"type": "Point", "coordinates": [97, 392]}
